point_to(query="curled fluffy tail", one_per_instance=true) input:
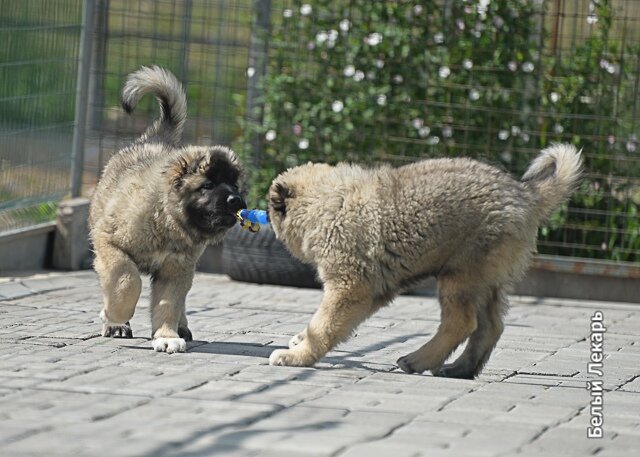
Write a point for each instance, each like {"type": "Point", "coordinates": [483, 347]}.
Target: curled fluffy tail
{"type": "Point", "coordinates": [171, 97]}
{"type": "Point", "coordinates": [553, 176]}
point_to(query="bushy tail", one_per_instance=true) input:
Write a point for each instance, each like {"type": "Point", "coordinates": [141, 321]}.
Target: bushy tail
{"type": "Point", "coordinates": [171, 97]}
{"type": "Point", "coordinates": [553, 176]}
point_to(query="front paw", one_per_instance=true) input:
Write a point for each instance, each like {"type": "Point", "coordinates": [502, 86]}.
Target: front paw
{"type": "Point", "coordinates": [296, 340]}
{"type": "Point", "coordinates": [291, 358]}
{"type": "Point", "coordinates": [169, 345]}
{"type": "Point", "coordinates": [117, 331]}
{"type": "Point", "coordinates": [412, 363]}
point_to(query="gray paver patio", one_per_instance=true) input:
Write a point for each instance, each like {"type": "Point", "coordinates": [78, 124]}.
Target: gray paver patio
{"type": "Point", "coordinates": [64, 390]}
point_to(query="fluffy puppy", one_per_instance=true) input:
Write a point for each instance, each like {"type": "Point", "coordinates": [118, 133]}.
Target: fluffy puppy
{"type": "Point", "coordinates": [372, 233]}
{"type": "Point", "coordinates": [155, 209]}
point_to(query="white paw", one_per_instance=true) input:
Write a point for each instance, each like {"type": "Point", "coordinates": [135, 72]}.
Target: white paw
{"type": "Point", "coordinates": [169, 345]}
{"type": "Point", "coordinates": [291, 358]}
{"type": "Point", "coordinates": [296, 340]}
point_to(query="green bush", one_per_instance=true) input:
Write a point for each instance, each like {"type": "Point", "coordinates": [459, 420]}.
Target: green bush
{"type": "Point", "coordinates": [397, 81]}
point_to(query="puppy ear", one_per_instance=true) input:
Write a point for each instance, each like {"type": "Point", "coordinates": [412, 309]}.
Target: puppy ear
{"type": "Point", "coordinates": [182, 167]}
{"type": "Point", "coordinates": [279, 198]}
{"type": "Point", "coordinates": [177, 172]}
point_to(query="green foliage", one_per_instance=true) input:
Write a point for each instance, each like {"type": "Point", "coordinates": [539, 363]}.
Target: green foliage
{"type": "Point", "coordinates": [41, 44]}
{"type": "Point", "coordinates": [395, 81]}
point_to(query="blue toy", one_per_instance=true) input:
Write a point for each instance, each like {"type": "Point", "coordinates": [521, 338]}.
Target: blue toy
{"type": "Point", "coordinates": [250, 219]}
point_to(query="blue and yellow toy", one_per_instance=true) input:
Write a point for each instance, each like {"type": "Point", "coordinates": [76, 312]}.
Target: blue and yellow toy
{"type": "Point", "coordinates": [250, 219]}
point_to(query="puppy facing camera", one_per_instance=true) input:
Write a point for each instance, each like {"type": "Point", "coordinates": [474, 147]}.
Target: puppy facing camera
{"type": "Point", "coordinates": [155, 209]}
{"type": "Point", "coordinates": [372, 233]}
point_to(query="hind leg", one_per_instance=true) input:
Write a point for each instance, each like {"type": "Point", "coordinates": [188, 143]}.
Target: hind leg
{"type": "Point", "coordinates": [458, 304]}
{"type": "Point", "coordinates": [121, 286]}
{"type": "Point", "coordinates": [482, 340]}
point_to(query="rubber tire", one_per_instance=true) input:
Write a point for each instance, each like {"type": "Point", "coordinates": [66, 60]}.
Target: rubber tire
{"type": "Point", "coordinates": [261, 258]}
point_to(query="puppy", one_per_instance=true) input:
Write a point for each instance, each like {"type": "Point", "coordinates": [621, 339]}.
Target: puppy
{"type": "Point", "coordinates": [372, 233]}
{"type": "Point", "coordinates": [155, 209]}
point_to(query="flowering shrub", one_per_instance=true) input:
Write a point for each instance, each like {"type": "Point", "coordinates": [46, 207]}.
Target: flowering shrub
{"type": "Point", "coordinates": [396, 81]}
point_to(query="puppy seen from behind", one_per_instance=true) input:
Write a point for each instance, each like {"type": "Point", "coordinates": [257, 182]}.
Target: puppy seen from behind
{"type": "Point", "coordinates": [372, 233]}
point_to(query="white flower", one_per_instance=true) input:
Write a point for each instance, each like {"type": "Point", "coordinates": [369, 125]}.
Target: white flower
{"type": "Point", "coordinates": [250, 72]}
{"type": "Point", "coordinates": [438, 38]}
{"type": "Point", "coordinates": [359, 76]}
{"type": "Point", "coordinates": [447, 131]}
{"type": "Point", "coordinates": [349, 71]}
{"type": "Point", "coordinates": [444, 72]}
{"type": "Point", "coordinates": [333, 35]}
{"type": "Point", "coordinates": [554, 97]}
{"type": "Point", "coordinates": [525, 137]}
{"type": "Point", "coordinates": [513, 66]}
{"type": "Point", "coordinates": [321, 37]}
{"type": "Point", "coordinates": [381, 100]}
{"type": "Point", "coordinates": [503, 135]}
{"type": "Point", "coordinates": [398, 79]}
{"type": "Point", "coordinates": [527, 67]}
{"type": "Point", "coordinates": [424, 132]}
{"type": "Point", "coordinates": [474, 95]}
{"type": "Point", "coordinates": [306, 10]}
{"type": "Point", "coordinates": [417, 9]}
{"type": "Point", "coordinates": [345, 25]}
{"type": "Point", "coordinates": [433, 140]}
{"type": "Point", "coordinates": [337, 106]}
{"type": "Point", "coordinates": [287, 13]}
{"type": "Point", "coordinates": [270, 135]}
{"type": "Point", "coordinates": [417, 123]}
{"type": "Point", "coordinates": [515, 130]}
{"type": "Point", "coordinates": [303, 143]}
{"type": "Point", "coordinates": [378, 63]}
{"type": "Point", "coordinates": [592, 19]}
{"type": "Point", "coordinates": [467, 64]}
{"type": "Point", "coordinates": [373, 39]}
{"type": "Point", "coordinates": [558, 129]}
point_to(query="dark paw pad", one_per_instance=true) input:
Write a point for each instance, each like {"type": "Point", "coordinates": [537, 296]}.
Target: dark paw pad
{"type": "Point", "coordinates": [185, 333]}
{"type": "Point", "coordinates": [117, 331]}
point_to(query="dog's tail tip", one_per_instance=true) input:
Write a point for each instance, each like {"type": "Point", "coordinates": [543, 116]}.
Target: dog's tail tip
{"type": "Point", "coordinates": [554, 174]}
{"type": "Point", "coordinates": [170, 93]}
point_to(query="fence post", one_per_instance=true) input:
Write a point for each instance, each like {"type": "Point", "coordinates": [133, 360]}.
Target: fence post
{"type": "Point", "coordinates": [84, 72]}
{"type": "Point", "coordinates": [98, 60]}
{"type": "Point", "coordinates": [256, 69]}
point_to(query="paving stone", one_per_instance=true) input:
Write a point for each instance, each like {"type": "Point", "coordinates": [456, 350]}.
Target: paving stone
{"type": "Point", "coordinates": [65, 390]}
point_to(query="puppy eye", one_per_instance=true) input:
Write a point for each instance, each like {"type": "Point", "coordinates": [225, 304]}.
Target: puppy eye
{"type": "Point", "coordinates": [207, 186]}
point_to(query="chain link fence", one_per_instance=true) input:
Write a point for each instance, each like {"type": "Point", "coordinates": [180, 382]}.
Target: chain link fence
{"type": "Point", "coordinates": [342, 80]}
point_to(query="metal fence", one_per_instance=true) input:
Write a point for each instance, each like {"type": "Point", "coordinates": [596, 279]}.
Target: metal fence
{"type": "Point", "coordinates": [438, 89]}
{"type": "Point", "coordinates": [39, 44]}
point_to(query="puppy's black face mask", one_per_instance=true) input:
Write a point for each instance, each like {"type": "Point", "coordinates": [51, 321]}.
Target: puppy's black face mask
{"type": "Point", "coordinates": [211, 195]}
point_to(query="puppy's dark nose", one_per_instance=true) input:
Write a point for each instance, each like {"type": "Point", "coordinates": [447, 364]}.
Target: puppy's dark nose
{"type": "Point", "coordinates": [235, 202]}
